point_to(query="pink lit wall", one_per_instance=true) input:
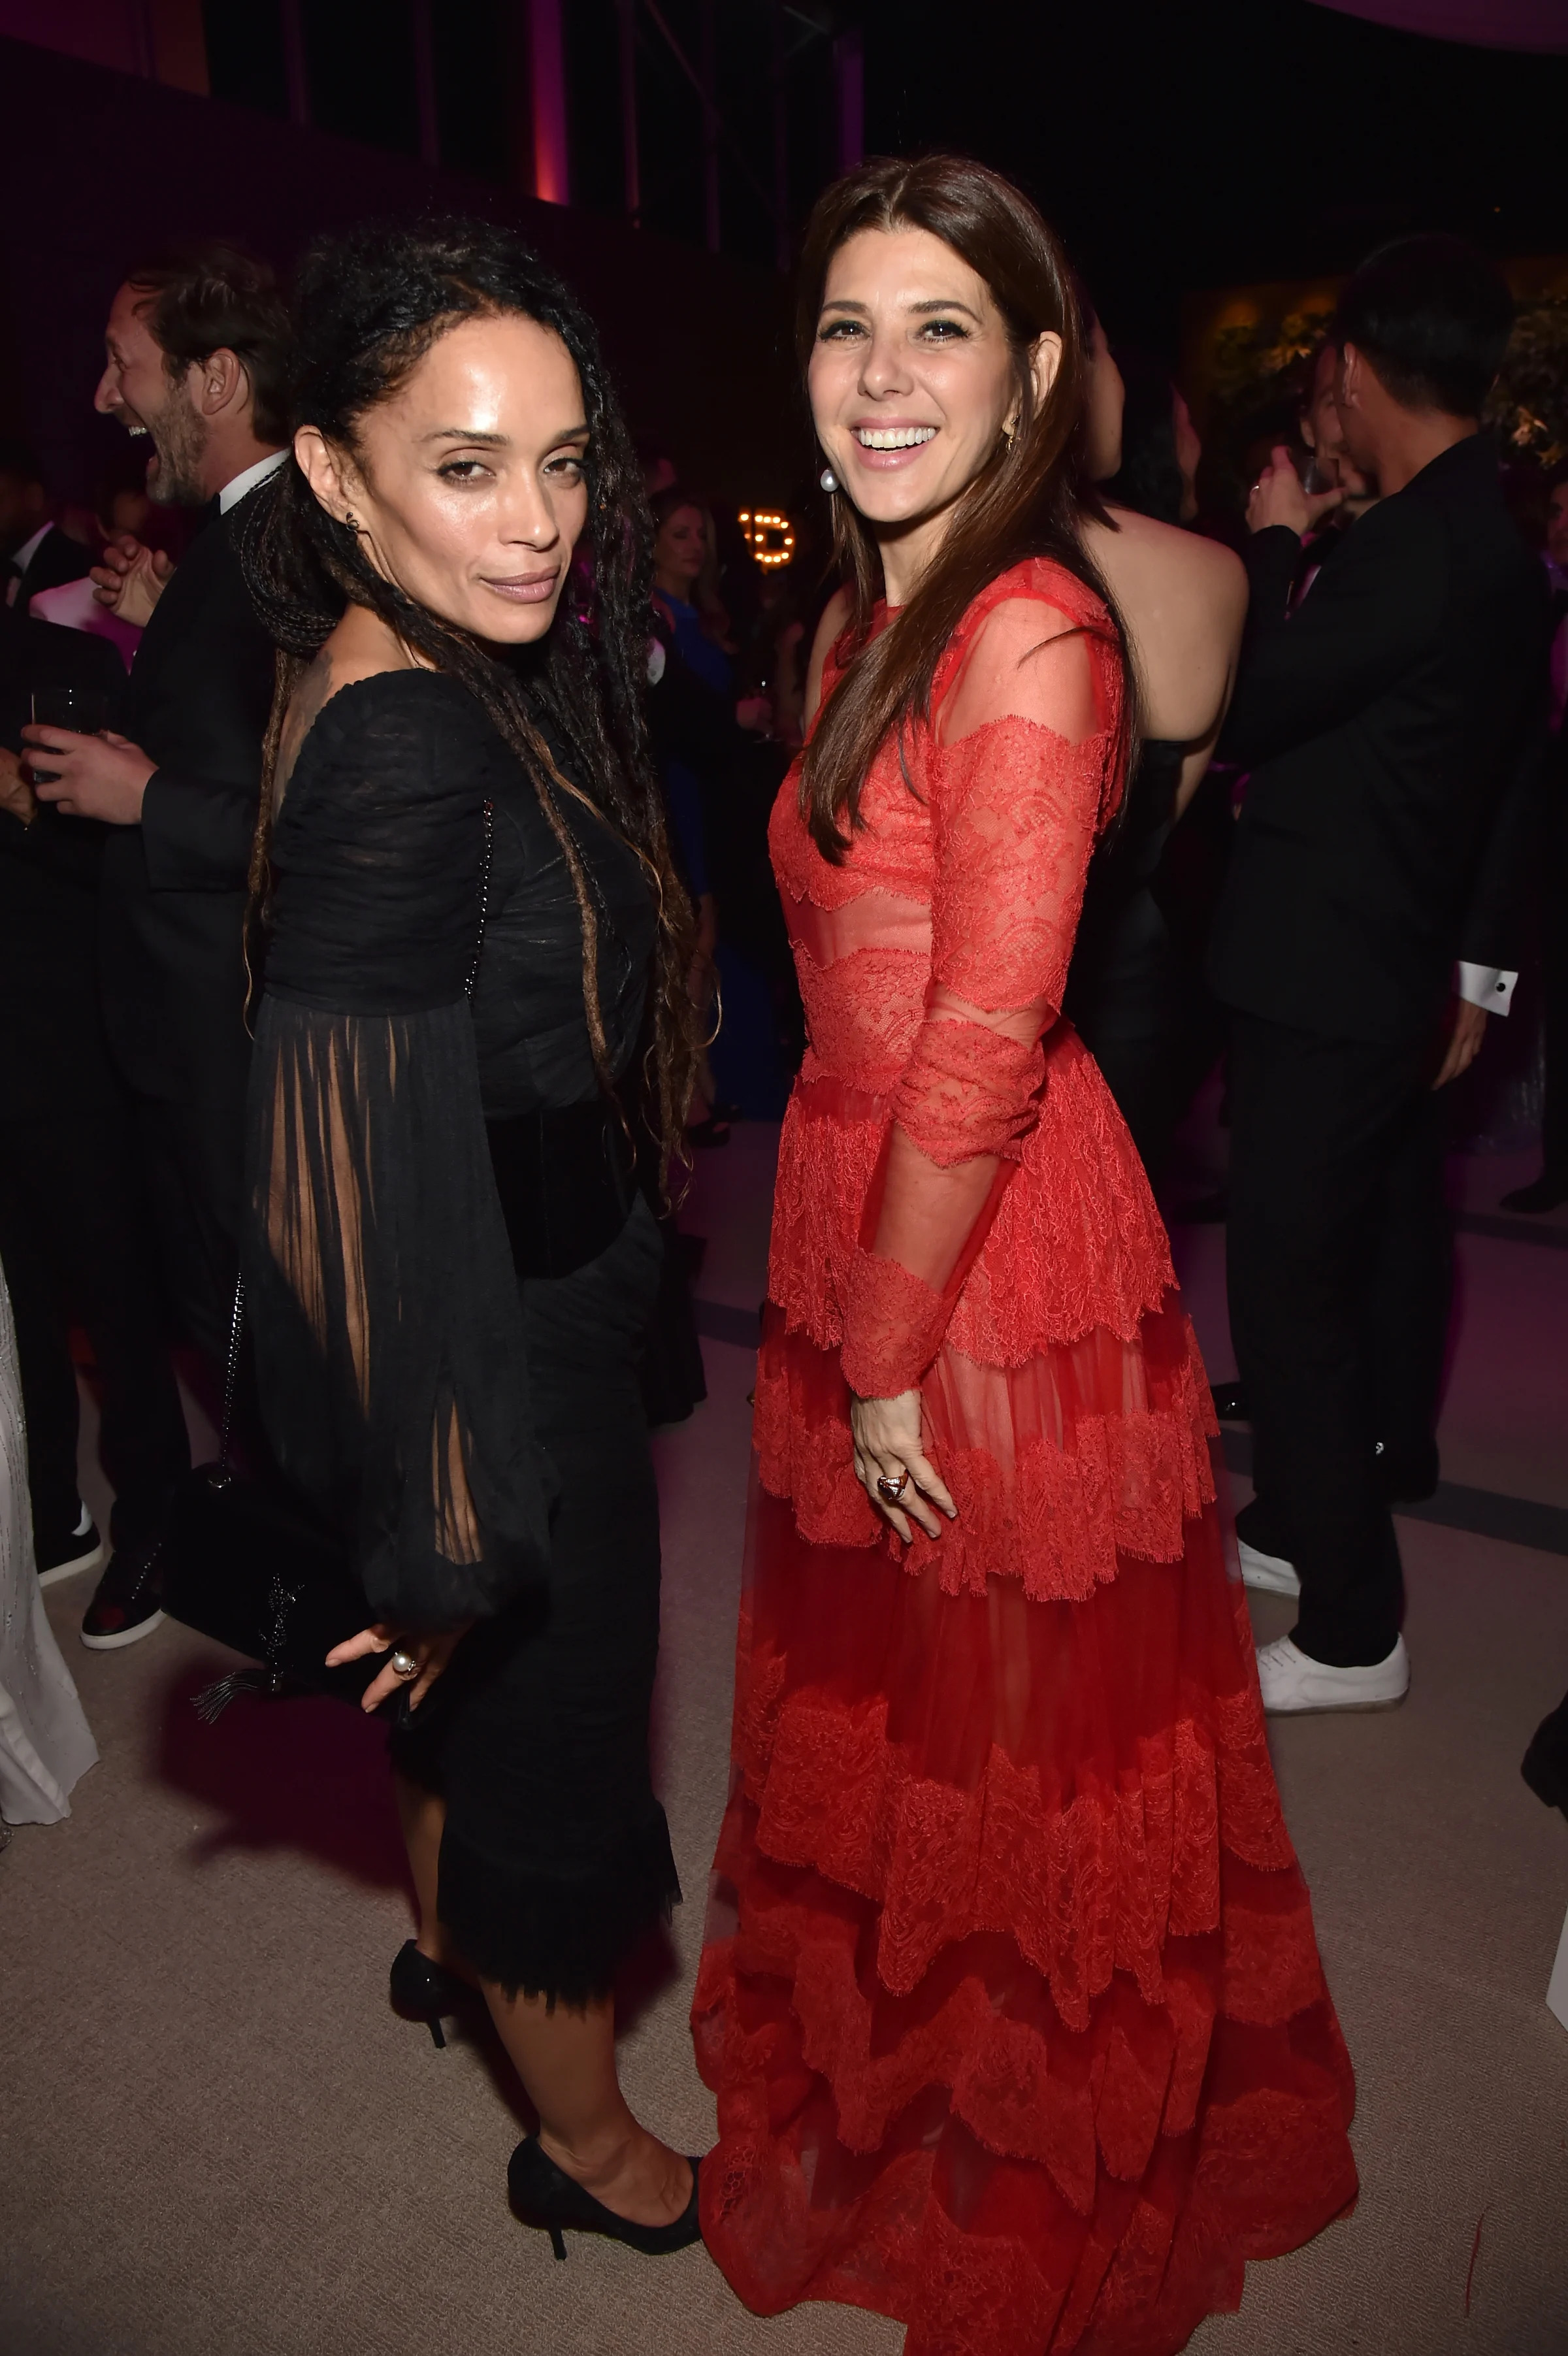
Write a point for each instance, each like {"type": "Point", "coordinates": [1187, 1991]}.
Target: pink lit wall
{"type": "Point", "coordinates": [160, 40]}
{"type": "Point", "coordinates": [547, 77]}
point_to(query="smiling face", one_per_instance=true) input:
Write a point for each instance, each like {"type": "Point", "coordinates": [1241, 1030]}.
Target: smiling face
{"type": "Point", "coordinates": [912, 379]}
{"type": "Point", "coordinates": [468, 486]}
{"type": "Point", "coordinates": [137, 388]}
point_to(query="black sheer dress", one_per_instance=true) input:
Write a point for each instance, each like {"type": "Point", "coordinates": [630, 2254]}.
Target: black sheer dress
{"type": "Point", "coordinates": [1129, 989]}
{"type": "Point", "coordinates": [450, 1275]}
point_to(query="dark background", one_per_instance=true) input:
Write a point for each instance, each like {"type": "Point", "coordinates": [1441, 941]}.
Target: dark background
{"type": "Point", "coordinates": [1176, 146]}
{"type": "Point", "coordinates": [99, 169]}
{"type": "Point", "coordinates": [1179, 149]}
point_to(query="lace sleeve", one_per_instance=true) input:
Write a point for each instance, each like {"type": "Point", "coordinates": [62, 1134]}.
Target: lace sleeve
{"type": "Point", "coordinates": [1016, 798]}
{"type": "Point", "coordinates": [383, 1298]}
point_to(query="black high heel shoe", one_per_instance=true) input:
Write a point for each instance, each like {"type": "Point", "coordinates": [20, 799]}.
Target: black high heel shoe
{"type": "Point", "coordinates": [422, 1990]}
{"type": "Point", "coordinates": [545, 2196]}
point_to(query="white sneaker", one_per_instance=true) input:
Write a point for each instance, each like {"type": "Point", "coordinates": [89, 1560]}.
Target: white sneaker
{"type": "Point", "coordinates": [1293, 1683]}
{"type": "Point", "coordinates": [1267, 1574]}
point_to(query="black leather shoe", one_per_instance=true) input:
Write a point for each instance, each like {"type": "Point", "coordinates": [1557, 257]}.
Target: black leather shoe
{"type": "Point", "coordinates": [1546, 1763]}
{"type": "Point", "coordinates": [422, 1990]}
{"type": "Point", "coordinates": [129, 1599]}
{"type": "Point", "coordinates": [1547, 1193]}
{"type": "Point", "coordinates": [545, 2196]}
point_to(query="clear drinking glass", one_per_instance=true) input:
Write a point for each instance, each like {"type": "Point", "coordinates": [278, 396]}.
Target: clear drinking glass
{"type": "Point", "coordinates": [83, 709]}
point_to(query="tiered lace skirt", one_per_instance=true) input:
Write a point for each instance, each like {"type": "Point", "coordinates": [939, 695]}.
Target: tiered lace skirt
{"type": "Point", "coordinates": [1011, 1996]}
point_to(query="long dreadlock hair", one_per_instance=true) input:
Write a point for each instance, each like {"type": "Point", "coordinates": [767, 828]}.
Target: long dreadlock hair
{"type": "Point", "coordinates": [367, 308]}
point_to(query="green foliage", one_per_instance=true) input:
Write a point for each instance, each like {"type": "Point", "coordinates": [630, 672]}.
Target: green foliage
{"type": "Point", "coordinates": [1529, 407]}
{"type": "Point", "coordinates": [1257, 364]}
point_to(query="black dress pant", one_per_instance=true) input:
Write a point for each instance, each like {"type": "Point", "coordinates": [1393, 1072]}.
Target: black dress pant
{"type": "Point", "coordinates": [1554, 973]}
{"type": "Point", "coordinates": [1338, 1262]}
{"type": "Point", "coordinates": [192, 1160]}
{"type": "Point", "coordinates": [75, 1243]}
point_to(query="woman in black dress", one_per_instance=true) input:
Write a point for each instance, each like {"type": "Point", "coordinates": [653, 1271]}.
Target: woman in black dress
{"type": "Point", "coordinates": [1136, 993]}
{"type": "Point", "coordinates": [450, 1264]}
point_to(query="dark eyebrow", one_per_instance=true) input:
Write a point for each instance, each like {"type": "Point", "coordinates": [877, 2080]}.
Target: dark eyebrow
{"type": "Point", "coordinates": [936, 303]}
{"type": "Point", "coordinates": [499, 441]}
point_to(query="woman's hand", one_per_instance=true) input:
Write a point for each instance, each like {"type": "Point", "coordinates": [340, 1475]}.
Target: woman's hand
{"type": "Point", "coordinates": [432, 1652]}
{"type": "Point", "coordinates": [887, 1440]}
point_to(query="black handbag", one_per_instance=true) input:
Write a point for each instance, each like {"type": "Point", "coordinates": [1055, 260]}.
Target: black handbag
{"type": "Point", "coordinates": [245, 1565]}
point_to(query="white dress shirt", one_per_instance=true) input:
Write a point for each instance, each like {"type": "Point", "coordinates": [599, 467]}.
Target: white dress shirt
{"type": "Point", "coordinates": [233, 493]}
{"type": "Point", "coordinates": [21, 558]}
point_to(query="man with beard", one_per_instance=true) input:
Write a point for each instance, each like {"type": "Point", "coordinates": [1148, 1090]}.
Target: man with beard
{"type": "Point", "coordinates": [197, 363]}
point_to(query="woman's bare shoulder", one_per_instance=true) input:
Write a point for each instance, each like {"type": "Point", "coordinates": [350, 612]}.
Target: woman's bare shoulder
{"type": "Point", "coordinates": [1169, 557]}
{"type": "Point", "coordinates": [1184, 601]}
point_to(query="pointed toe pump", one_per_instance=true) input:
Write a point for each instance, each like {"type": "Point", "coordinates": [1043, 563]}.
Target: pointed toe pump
{"type": "Point", "coordinates": [545, 2196]}
{"type": "Point", "coordinates": [422, 1990]}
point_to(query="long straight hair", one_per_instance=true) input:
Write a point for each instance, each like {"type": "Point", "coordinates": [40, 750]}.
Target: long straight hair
{"type": "Point", "coordinates": [1021, 504]}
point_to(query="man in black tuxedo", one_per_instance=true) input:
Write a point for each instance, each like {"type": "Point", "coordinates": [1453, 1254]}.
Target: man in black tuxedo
{"type": "Point", "coordinates": [1389, 725]}
{"type": "Point", "coordinates": [74, 1235]}
{"type": "Point", "coordinates": [198, 364]}
{"type": "Point", "coordinates": [34, 552]}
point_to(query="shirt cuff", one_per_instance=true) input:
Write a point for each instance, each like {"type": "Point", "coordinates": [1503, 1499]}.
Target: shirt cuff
{"type": "Point", "coordinates": [1485, 985]}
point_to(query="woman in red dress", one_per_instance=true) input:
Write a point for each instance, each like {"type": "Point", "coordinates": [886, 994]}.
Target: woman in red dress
{"type": "Point", "coordinates": [1011, 1996]}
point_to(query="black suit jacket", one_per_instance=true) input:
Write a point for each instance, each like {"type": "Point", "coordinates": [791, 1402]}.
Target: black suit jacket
{"type": "Point", "coordinates": [1391, 725]}
{"type": "Point", "coordinates": [175, 887]}
{"type": "Point", "coordinates": [56, 560]}
{"type": "Point", "coordinates": [52, 1054]}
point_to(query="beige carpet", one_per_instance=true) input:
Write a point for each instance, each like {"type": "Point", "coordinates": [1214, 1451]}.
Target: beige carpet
{"type": "Point", "coordinates": [216, 2139]}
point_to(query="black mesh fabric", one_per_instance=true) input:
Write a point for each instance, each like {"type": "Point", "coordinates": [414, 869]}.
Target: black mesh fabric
{"type": "Point", "coordinates": [475, 1436]}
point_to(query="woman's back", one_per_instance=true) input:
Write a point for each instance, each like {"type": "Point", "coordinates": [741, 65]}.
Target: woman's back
{"type": "Point", "coordinates": [1184, 601]}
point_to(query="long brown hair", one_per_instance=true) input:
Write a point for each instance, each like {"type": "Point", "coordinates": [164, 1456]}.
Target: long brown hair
{"type": "Point", "coordinates": [1022, 502]}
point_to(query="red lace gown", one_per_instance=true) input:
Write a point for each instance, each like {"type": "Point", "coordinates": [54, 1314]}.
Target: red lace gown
{"type": "Point", "coordinates": [1011, 1997]}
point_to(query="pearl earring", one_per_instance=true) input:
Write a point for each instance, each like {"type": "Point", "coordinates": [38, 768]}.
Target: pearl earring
{"type": "Point", "coordinates": [828, 479]}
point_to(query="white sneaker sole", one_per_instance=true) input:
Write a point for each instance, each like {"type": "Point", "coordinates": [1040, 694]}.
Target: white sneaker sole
{"type": "Point", "coordinates": [1307, 1688]}
{"type": "Point", "coordinates": [1267, 1574]}
{"type": "Point", "coordinates": [125, 1635]}
{"type": "Point", "coordinates": [1330, 1709]}
{"type": "Point", "coordinates": [58, 1571]}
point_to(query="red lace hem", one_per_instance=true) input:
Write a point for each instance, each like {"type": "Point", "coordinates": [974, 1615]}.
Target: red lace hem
{"type": "Point", "coordinates": [1050, 1487]}
{"type": "Point", "coordinates": [1011, 1997]}
{"type": "Point", "coordinates": [1077, 1242]}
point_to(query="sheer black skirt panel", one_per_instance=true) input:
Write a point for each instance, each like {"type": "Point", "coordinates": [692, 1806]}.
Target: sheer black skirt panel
{"type": "Point", "coordinates": [556, 1854]}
